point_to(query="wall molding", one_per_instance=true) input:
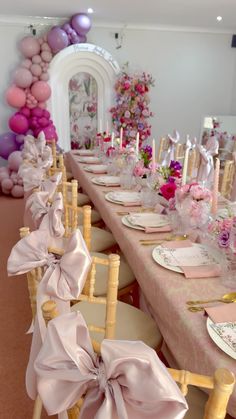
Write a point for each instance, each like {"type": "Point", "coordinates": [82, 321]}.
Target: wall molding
{"type": "Point", "coordinates": [45, 21]}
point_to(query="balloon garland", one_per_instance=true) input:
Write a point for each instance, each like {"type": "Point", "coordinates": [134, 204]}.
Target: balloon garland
{"type": "Point", "coordinates": [30, 91]}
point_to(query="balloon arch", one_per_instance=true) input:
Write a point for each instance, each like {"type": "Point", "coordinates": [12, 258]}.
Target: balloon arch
{"type": "Point", "coordinates": [29, 94]}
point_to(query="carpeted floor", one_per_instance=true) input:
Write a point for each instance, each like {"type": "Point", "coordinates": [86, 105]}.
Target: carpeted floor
{"type": "Point", "coordinates": [15, 319]}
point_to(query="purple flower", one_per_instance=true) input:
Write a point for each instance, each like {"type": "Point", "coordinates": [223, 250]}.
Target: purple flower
{"type": "Point", "coordinates": [171, 179]}
{"type": "Point", "coordinates": [175, 165]}
{"type": "Point", "coordinates": [223, 238]}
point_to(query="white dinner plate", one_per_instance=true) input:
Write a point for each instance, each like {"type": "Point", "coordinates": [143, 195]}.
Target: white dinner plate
{"type": "Point", "coordinates": [123, 197]}
{"type": "Point", "coordinates": [126, 222]}
{"type": "Point", "coordinates": [106, 180]}
{"type": "Point", "coordinates": [88, 160]}
{"type": "Point", "coordinates": [99, 168]}
{"type": "Point", "coordinates": [84, 152]}
{"type": "Point", "coordinates": [218, 340]}
{"type": "Point", "coordinates": [158, 257]}
{"type": "Point", "coordinates": [148, 219]}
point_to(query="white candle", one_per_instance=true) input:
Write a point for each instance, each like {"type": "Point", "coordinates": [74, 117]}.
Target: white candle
{"type": "Point", "coordinates": [107, 129]}
{"type": "Point", "coordinates": [100, 125]}
{"type": "Point", "coordinates": [121, 137]}
{"type": "Point", "coordinates": [153, 156]}
{"type": "Point", "coordinates": [112, 138]}
{"type": "Point", "coordinates": [215, 187]}
{"type": "Point", "coordinates": [185, 168]}
{"type": "Point", "coordinates": [137, 143]}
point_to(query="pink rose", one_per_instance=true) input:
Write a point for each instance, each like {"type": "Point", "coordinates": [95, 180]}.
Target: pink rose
{"type": "Point", "coordinates": [168, 190]}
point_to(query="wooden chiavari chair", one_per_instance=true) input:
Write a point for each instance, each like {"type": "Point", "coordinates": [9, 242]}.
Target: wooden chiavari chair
{"type": "Point", "coordinates": [164, 144]}
{"type": "Point", "coordinates": [227, 178]}
{"type": "Point", "coordinates": [180, 152]}
{"type": "Point", "coordinates": [193, 163]}
{"type": "Point", "coordinates": [201, 406]}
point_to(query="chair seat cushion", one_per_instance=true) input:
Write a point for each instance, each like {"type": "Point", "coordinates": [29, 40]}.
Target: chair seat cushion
{"type": "Point", "coordinates": [95, 217]}
{"type": "Point", "coordinates": [83, 199]}
{"type": "Point", "coordinates": [126, 276]}
{"type": "Point", "coordinates": [196, 400]}
{"type": "Point", "coordinates": [131, 323]}
{"type": "Point", "coordinates": [69, 176]}
{"type": "Point", "coordinates": [100, 239]}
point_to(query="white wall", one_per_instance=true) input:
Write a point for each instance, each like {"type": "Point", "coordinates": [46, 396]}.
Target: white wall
{"type": "Point", "coordinates": [194, 72]}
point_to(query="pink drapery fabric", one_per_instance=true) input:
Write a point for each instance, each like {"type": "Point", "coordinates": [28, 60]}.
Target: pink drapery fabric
{"type": "Point", "coordinates": [233, 194]}
{"type": "Point", "coordinates": [44, 214]}
{"type": "Point", "coordinates": [63, 279]}
{"type": "Point", "coordinates": [127, 381]}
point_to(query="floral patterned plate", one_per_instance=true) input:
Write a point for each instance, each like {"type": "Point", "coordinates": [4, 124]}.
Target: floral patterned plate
{"type": "Point", "coordinates": [88, 159]}
{"type": "Point", "coordinates": [224, 336]}
{"type": "Point", "coordinates": [84, 152]}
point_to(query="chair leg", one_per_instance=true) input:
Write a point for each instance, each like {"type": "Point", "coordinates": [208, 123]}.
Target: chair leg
{"type": "Point", "coordinates": [37, 408]}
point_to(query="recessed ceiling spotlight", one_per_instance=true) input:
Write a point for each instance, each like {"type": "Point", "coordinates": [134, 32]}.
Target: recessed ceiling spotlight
{"type": "Point", "coordinates": [219, 18]}
{"type": "Point", "coordinates": [90, 10]}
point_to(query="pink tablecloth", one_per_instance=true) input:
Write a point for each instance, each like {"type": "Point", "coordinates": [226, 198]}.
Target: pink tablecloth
{"type": "Point", "coordinates": [165, 292]}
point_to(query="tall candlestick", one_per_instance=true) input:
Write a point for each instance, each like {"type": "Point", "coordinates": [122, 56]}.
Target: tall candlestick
{"type": "Point", "coordinates": [185, 168]}
{"type": "Point", "coordinates": [100, 125]}
{"type": "Point", "coordinates": [153, 156]}
{"type": "Point", "coordinates": [214, 205]}
{"type": "Point", "coordinates": [137, 143]}
{"type": "Point", "coordinates": [107, 129]}
{"type": "Point", "coordinates": [112, 138]}
{"type": "Point", "coordinates": [121, 137]}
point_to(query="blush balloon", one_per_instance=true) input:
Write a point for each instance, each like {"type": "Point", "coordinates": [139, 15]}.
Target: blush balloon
{"type": "Point", "coordinates": [26, 63]}
{"type": "Point", "coordinates": [36, 70]}
{"type": "Point", "coordinates": [23, 77]}
{"type": "Point", "coordinates": [15, 160]}
{"type": "Point", "coordinates": [36, 59]}
{"type": "Point", "coordinates": [15, 96]}
{"type": "Point", "coordinates": [20, 139]}
{"type": "Point", "coordinates": [17, 191]}
{"type": "Point", "coordinates": [41, 91]}
{"type": "Point", "coordinates": [7, 184]}
{"type": "Point", "coordinates": [29, 46]}
{"type": "Point", "coordinates": [46, 56]}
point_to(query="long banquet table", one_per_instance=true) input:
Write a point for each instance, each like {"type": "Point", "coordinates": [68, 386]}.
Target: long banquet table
{"type": "Point", "coordinates": [165, 292]}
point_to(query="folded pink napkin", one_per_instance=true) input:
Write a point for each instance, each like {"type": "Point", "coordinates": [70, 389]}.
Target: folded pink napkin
{"type": "Point", "coordinates": [203, 271]}
{"type": "Point", "coordinates": [222, 313]}
{"type": "Point", "coordinates": [163, 229]}
{"type": "Point", "coordinates": [131, 204]}
{"type": "Point", "coordinates": [158, 209]}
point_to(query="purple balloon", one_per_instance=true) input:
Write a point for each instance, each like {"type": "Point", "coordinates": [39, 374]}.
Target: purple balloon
{"type": "Point", "coordinates": [7, 144]}
{"type": "Point", "coordinates": [57, 39]}
{"type": "Point", "coordinates": [81, 23]}
{"type": "Point", "coordinates": [66, 27]}
{"type": "Point", "coordinates": [20, 139]}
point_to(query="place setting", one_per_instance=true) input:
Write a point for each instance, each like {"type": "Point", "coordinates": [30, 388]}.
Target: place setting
{"type": "Point", "coordinates": [96, 168]}
{"type": "Point", "coordinates": [106, 180]}
{"type": "Point", "coordinates": [147, 221]}
{"type": "Point", "coordinates": [83, 152]}
{"type": "Point", "coordinates": [88, 159]}
{"type": "Point", "coordinates": [125, 198]}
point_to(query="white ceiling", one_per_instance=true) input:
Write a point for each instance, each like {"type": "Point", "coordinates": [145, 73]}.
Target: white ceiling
{"type": "Point", "coordinates": [194, 13]}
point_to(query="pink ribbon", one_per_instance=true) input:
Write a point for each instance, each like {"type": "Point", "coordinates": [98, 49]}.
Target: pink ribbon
{"type": "Point", "coordinates": [63, 279]}
{"type": "Point", "coordinates": [127, 381]}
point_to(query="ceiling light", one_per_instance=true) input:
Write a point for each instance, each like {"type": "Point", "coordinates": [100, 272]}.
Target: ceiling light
{"type": "Point", "coordinates": [219, 18]}
{"type": "Point", "coordinates": [90, 10]}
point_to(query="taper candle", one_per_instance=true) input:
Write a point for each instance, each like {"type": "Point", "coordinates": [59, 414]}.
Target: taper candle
{"type": "Point", "coordinates": [153, 156]}
{"type": "Point", "coordinates": [121, 137]}
{"type": "Point", "coordinates": [214, 205]}
{"type": "Point", "coordinates": [137, 143]}
{"type": "Point", "coordinates": [107, 129]}
{"type": "Point", "coordinates": [185, 168]}
{"type": "Point", "coordinates": [100, 125]}
{"type": "Point", "coordinates": [112, 138]}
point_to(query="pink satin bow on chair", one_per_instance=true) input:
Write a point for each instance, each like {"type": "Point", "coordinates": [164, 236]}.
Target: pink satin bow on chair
{"type": "Point", "coordinates": [45, 215]}
{"type": "Point", "coordinates": [63, 279]}
{"type": "Point", "coordinates": [128, 381]}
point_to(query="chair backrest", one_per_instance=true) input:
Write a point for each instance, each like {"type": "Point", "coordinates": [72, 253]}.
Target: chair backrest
{"type": "Point", "coordinates": [164, 144]}
{"type": "Point", "coordinates": [180, 152]}
{"type": "Point", "coordinates": [71, 211]}
{"type": "Point", "coordinates": [193, 163]}
{"type": "Point", "coordinates": [227, 178]}
{"type": "Point", "coordinates": [52, 144]}
{"type": "Point", "coordinates": [221, 386]}
{"type": "Point", "coordinates": [58, 164]}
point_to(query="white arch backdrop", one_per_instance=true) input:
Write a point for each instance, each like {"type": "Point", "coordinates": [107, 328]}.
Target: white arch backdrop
{"type": "Point", "coordinates": [87, 58]}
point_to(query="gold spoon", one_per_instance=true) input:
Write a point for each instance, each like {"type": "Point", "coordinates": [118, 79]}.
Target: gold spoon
{"type": "Point", "coordinates": [226, 298]}
{"type": "Point", "coordinates": [168, 238]}
{"type": "Point", "coordinates": [195, 309]}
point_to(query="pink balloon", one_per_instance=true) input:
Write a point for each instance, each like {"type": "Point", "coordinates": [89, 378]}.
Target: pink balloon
{"type": "Point", "coordinates": [35, 78]}
{"type": "Point", "coordinates": [6, 191]}
{"type": "Point", "coordinates": [25, 111]}
{"type": "Point", "coordinates": [23, 77]}
{"type": "Point", "coordinates": [26, 63]}
{"type": "Point", "coordinates": [41, 91]}
{"type": "Point", "coordinates": [81, 23]}
{"type": "Point", "coordinates": [7, 184]}
{"type": "Point", "coordinates": [44, 76]}
{"type": "Point", "coordinates": [17, 191]}
{"type": "Point", "coordinates": [3, 175]}
{"type": "Point", "coordinates": [15, 160]}
{"type": "Point", "coordinates": [46, 56]}
{"type": "Point", "coordinates": [46, 114]}
{"type": "Point", "coordinates": [43, 122]}
{"type": "Point", "coordinates": [40, 40]}
{"type": "Point", "coordinates": [50, 132]}
{"type": "Point", "coordinates": [36, 70]}
{"type": "Point", "coordinates": [29, 46]}
{"type": "Point", "coordinates": [42, 105]}
{"type": "Point", "coordinates": [15, 97]}
{"type": "Point", "coordinates": [45, 47]}
{"type": "Point", "coordinates": [36, 59]}
{"type": "Point", "coordinates": [37, 112]}
{"type": "Point", "coordinates": [18, 123]}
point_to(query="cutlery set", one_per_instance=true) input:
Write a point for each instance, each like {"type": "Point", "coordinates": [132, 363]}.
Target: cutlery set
{"type": "Point", "coordinates": [195, 306]}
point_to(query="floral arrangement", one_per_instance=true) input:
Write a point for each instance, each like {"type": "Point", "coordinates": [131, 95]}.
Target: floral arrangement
{"type": "Point", "coordinates": [132, 106]}
{"type": "Point", "coordinates": [168, 179]}
{"type": "Point", "coordinates": [192, 201]}
{"type": "Point", "coordinates": [140, 170]}
{"type": "Point", "coordinates": [146, 155]}
{"type": "Point", "coordinates": [220, 230]}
